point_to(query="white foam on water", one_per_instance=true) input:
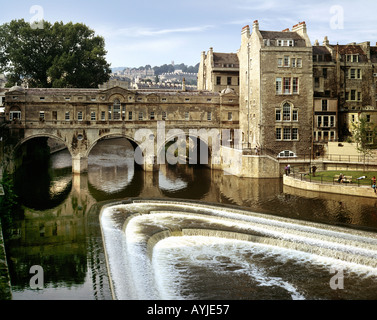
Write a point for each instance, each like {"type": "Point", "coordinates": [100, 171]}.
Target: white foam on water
{"type": "Point", "coordinates": [135, 276]}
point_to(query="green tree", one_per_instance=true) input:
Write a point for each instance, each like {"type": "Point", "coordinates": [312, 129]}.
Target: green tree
{"type": "Point", "coordinates": [58, 55]}
{"type": "Point", "coordinates": [364, 134]}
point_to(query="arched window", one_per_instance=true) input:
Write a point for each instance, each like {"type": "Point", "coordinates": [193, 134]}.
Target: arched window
{"type": "Point", "coordinates": [286, 112]}
{"type": "Point", "coordinates": [287, 154]}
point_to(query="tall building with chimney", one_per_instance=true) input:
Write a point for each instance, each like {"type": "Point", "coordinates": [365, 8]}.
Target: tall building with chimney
{"type": "Point", "coordinates": [276, 90]}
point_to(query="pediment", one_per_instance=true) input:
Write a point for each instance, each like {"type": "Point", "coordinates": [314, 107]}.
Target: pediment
{"type": "Point", "coordinates": [116, 93]}
{"type": "Point", "coordinates": [117, 89]}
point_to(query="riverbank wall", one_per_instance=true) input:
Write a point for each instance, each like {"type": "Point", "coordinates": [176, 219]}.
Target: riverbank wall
{"type": "Point", "coordinates": [360, 191]}
{"type": "Point", "coordinates": [5, 286]}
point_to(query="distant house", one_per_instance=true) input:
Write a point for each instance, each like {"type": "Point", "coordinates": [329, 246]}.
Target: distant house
{"type": "Point", "coordinates": [218, 71]}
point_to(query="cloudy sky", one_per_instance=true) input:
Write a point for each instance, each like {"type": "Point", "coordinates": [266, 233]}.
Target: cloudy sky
{"type": "Point", "coordinates": [141, 32]}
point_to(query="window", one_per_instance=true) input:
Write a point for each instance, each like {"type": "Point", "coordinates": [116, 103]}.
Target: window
{"type": "Point", "coordinates": [278, 86]}
{"type": "Point", "coordinates": [332, 121]}
{"type": "Point", "coordinates": [230, 116]}
{"type": "Point", "coordinates": [93, 116]}
{"type": "Point", "coordinates": [110, 112]}
{"type": "Point", "coordinates": [299, 63]}
{"type": "Point", "coordinates": [103, 115]}
{"type": "Point", "coordinates": [130, 115]}
{"type": "Point", "coordinates": [54, 115]}
{"type": "Point", "coordinates": [324, 73]}
{"type": "Point", "coordinates": [287, 134]}
{"type": "Point", "coordinates": [368, 118]}
{"type": "Point", "coordinates": [285, 43]}
{"type": "Point", "coordinates": [294, 134]}
{"type": "Point", "coordinates": [67, 116]}
{"type": "Point", "coordinates": [326, 121]}
{"type": "Point", "coordinates": [287, 85]}
{"type": "Point", "coordinates": [280, 62]}
{"type": "Point", "coordinates": [352, 58]}
{"type": "Point", "coordinates": [324, 105]}
{"type": "Point", "coordinates": [164, 115]}
{"type": "Point", "coordinates": [316, 82]}
{"type": "Point", "coordinates": [141, 116]}
{"type": "Point", "coordinates": [319, 122]}
{"type": "Point", "coordinates": [358, 96]}
{"type": "Point", "coordinates": [116, 107]}
{"type": "Point", "coordinates": [353, 95]}
{"type": "Point", "coordinates": [286, 154]}
{"type": "Point", "coordinates": [295, 115]}
{"type": "Point", "coordinates": [41, 115]}
{"type": "Point", "coordinates": [209, 116]}
{"type": "Point", "coordinates": [287, 112]}
{"type": "Point", "coordinates": [15, 115]}
{"type": "Point", "coordinates": [79, 116]}
{"type": "Point", "coordinates": [152, 115]}
{"type": "Point", "coordinates": [187, 116]}
{"type": "Point", "coordinates": [295, 85]}
{"type": "Point", "coordinates": [229, 81]}
{"type": "Point", "coordinates": [278, 133]}
{"type": "Point", "coordinates": [278, 115]}
{"type": "Point", "coordinates": [293, 62]}
{"type": "Point", "coordinates": [286, 61]}
{"type": "Point", "coordinates": [369, 137]}
{"type": "Point", "coordinates": [218, 81]}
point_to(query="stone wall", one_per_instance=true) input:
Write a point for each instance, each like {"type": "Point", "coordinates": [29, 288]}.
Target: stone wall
{"type": "Point", "coordinates": [5, 287]}
{"type": "Point", "coordinates": [362, 191]}
{"type": "Point", "coordinates": [234, 162]}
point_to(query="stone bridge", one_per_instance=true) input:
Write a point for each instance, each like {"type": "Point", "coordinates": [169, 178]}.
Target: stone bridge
{"type": "Point", "coordinates": [79, 118]}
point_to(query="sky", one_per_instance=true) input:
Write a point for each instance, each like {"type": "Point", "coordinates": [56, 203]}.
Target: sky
{"type": "Point", "coordinates": [157, 32]}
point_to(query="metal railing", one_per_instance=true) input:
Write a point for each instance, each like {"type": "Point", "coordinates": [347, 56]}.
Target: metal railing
{"type": "Point", "coordinates": [357, 181]}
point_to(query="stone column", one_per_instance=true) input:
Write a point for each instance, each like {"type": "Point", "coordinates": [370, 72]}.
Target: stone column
{"type": "Point", "coordinates": [79, 164]}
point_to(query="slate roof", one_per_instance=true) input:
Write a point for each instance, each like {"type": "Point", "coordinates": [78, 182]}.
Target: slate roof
{"type": "Point", "coordinates": [220, 59]}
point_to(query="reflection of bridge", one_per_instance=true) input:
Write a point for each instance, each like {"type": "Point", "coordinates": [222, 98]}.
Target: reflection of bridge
{"type": "Point", "coordinates": [79, 118]}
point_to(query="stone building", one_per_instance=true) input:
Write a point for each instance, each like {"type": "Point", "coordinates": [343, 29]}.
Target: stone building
{"type": "Point", "coordinates": [218, 71]}
{"type": "Point", "coordinates": [346, 75]}
{"type": "Point", "coordinates": [276, 90]}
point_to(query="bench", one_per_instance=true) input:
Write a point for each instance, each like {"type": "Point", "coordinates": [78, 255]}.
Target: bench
{"type": "Point", "coordinates": [346, 179]}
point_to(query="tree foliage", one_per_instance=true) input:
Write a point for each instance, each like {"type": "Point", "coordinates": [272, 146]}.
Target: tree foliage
{"type": "Point", "coordinates": [364, 134]}
{"type": "Point", "coordinates": [58, 55]}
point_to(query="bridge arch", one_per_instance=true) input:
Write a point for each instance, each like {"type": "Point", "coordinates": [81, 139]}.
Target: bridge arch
{"type": "Point", "coordinates": [173, 136]}
{"type": "Point", "coordinates": [111, 135]}
{"type": "Point", "coordinates": [41, 135]}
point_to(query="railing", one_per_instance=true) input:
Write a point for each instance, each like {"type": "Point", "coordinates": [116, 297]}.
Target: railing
{"type": "Point", "coordinates": [357, 181]}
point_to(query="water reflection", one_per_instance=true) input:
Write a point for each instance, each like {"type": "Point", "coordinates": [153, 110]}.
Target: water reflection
{"type": "Point", "coordinates": [59, 228]}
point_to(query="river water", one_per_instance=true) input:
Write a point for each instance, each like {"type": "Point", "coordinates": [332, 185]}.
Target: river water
{"type": "Point", "coordinates": [60, 229]}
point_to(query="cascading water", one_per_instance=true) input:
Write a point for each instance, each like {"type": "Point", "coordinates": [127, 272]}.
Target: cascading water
{"type": "Point", "coordinates": [185, 250]}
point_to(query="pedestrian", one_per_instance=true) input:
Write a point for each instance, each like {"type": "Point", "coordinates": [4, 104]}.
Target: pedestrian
{"type": "Point", "coordinates": [314, 169]}
{"type": "Point", "coordinates": [374, 188]}
{"type": "Point", "coordinates": [289, 169]}
{"type": "Point", "coordinates": [373, 180]}
{"type": "Point", "coordinates": [340, 180]}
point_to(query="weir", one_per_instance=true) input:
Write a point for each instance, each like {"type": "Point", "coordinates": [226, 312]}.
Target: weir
{"type": "Point", "coordinates": [137, 233]}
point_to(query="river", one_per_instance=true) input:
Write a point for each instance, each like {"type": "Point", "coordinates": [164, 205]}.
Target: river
{"type": "Point", "coordinates": [59, 229]}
